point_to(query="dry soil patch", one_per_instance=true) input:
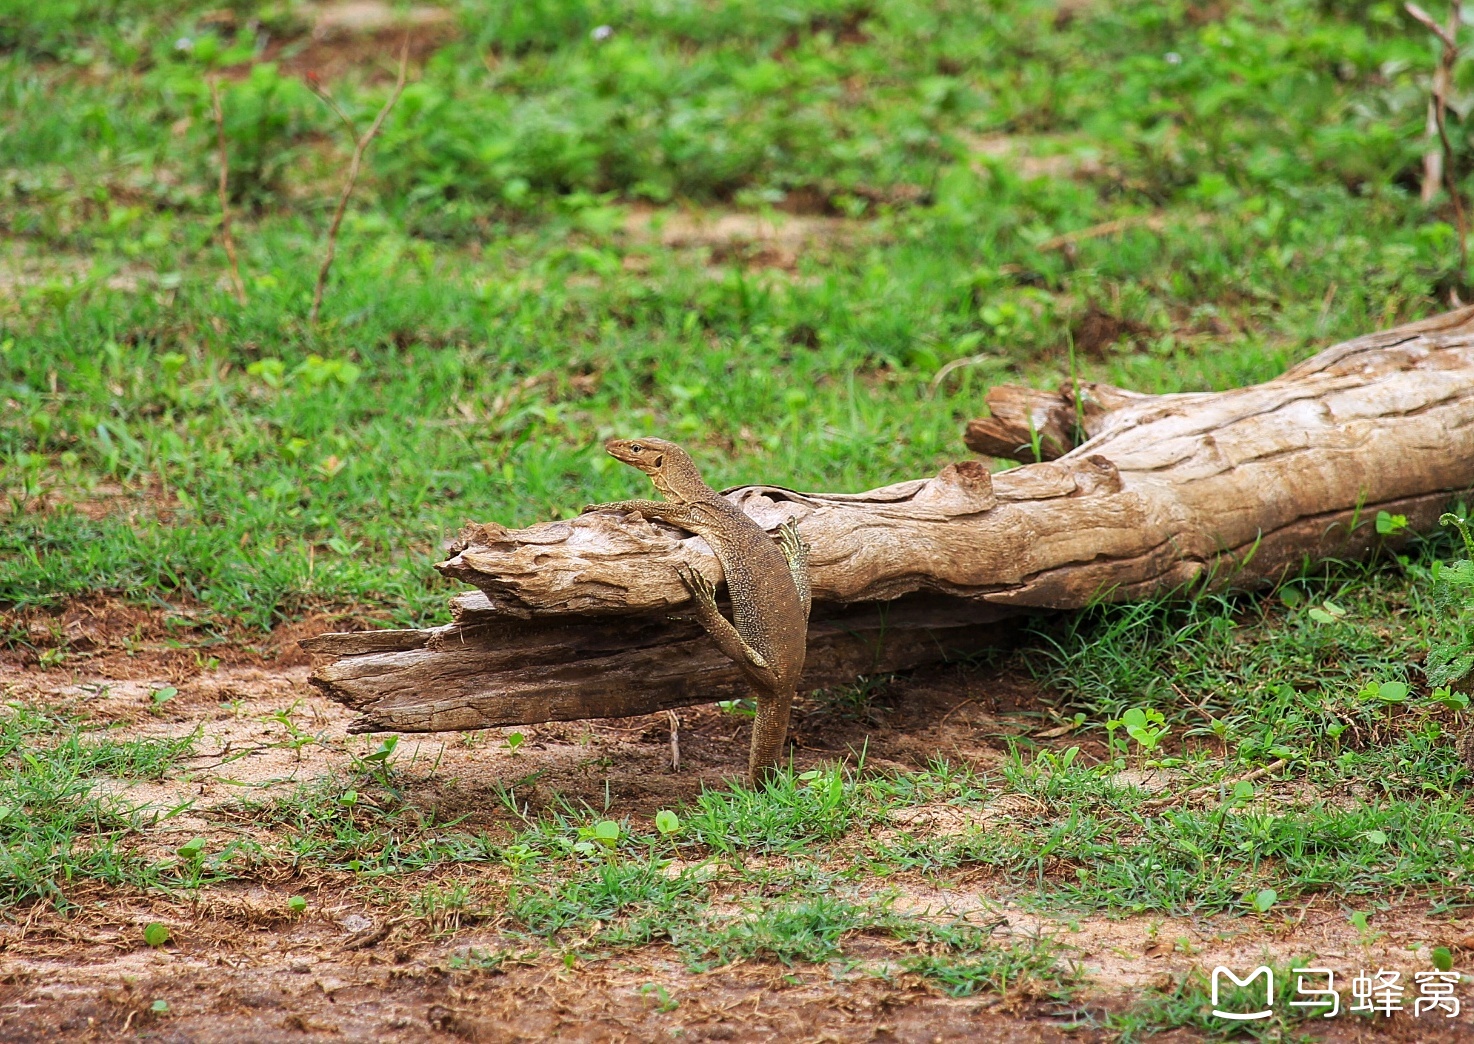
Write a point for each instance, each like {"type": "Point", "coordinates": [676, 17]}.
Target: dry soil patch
{"type": "Point", "coordinates": [359, 965]}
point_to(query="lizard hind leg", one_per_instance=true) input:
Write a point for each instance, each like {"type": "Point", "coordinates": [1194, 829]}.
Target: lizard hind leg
{"type": "Point", "coordinates": [797, 553]}
{"type": "Point", "coordinates": [704, 594]}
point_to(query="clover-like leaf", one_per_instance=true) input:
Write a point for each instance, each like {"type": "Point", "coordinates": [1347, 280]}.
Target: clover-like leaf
{"type": "Point", "coordinates": [1388, 524]}
{"type": "Point", "coordinates": [1392, 692]}
{"type": "Point", "coordinates": [385, 749]}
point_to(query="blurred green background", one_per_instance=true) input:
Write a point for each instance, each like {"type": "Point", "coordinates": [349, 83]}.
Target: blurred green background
{"type": "Point", "coordinates": [759, 229]}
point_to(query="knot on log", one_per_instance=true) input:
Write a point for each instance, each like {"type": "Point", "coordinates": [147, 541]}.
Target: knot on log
{"type": "Point", "coordinates": [1096, 474]}
{"type": "Point", "coordinates": [475, 534]}
{"type": "Point", "coordinates": [961, 489]}
{"type": "Point", "coordinates": [1076, 477]}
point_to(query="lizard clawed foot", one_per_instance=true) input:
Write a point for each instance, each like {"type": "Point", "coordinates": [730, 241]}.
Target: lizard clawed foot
{"type": "Point", "coordinates": [792, 544]}
{"type": "Point", "coordinates": [702, 589]}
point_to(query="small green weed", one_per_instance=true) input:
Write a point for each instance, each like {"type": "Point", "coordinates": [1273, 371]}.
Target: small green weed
{"type": "Point", "coordinates": [787, 814]}
{"type": "Point", "coordinates": [1451, 651]}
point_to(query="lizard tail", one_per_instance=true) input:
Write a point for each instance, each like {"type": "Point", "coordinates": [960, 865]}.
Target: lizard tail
{"type": "Point", "coordinates": [769, 736]}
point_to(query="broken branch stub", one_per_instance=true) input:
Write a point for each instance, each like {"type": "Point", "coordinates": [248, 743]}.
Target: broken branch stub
{"type": "Point", "coordinates": [1234, 488]}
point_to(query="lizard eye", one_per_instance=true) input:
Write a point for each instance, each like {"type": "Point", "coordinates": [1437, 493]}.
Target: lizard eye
{"type": "Point", "coordinates": [637, 448]}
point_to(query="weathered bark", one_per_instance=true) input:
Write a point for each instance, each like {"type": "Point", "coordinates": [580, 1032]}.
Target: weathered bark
{"type": "Point", "coordinates": [1228, 489]}
{"type": "Point", "coordinates": [485, 669]}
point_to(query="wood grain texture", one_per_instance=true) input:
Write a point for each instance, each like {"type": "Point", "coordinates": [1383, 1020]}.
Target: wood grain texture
{"type": "Point", "coordinates": [1232, 488]}
{"type": "Point", "coordinates": [484, 669]}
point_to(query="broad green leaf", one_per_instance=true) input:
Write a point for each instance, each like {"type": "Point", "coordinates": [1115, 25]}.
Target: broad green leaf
{"type": "Point", "coordinates": [1387, 524]}
{"type": "Point", "coordinates": [1392, 692]}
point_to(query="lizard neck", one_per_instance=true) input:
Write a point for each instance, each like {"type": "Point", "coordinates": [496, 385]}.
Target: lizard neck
{"type": "Point", "coordinates": [685, 492]}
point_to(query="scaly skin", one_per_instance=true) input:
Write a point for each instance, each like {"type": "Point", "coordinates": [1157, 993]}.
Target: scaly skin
{"type": "Point", "coordinates": [768, 584]}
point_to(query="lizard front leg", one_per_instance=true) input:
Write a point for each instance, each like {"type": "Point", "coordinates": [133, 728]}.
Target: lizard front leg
{"type": "Point", "coordinates": [665, 510]}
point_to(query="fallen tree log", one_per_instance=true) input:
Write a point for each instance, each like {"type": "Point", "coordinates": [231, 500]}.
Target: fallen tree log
{"type": "Point", "coordinates": [1226, 489]}
{"type": "Point", "coordinates": [485, 669]}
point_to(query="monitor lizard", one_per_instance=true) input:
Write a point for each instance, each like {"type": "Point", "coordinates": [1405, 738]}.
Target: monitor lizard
{"type": "Point", "coordinates": [767, 582]}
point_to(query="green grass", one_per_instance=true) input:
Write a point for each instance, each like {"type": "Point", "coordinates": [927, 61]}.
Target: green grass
{"type": "Point", "coordinates": [1243, 682]}
{"type": "Point", "coordinates": [58, 823]}
{"type": "Point", "coordinates": [1189, 1003]}
{"type": "Point", "coordinates": [490, 321]}
{"type": "Point", "coordinates": [547, 885]}
{"type": "Point", "coordinates": [488, 325]}
{"type": "Point", "coordinates": [800, 869]}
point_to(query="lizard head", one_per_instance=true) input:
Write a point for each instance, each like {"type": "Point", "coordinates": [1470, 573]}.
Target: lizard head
{"type": "Point", "coordinates": [669, 467]}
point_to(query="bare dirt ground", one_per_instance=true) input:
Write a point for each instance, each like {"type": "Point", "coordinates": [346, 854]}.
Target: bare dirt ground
{"type": "Point", "coordinates": [356, 966]}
